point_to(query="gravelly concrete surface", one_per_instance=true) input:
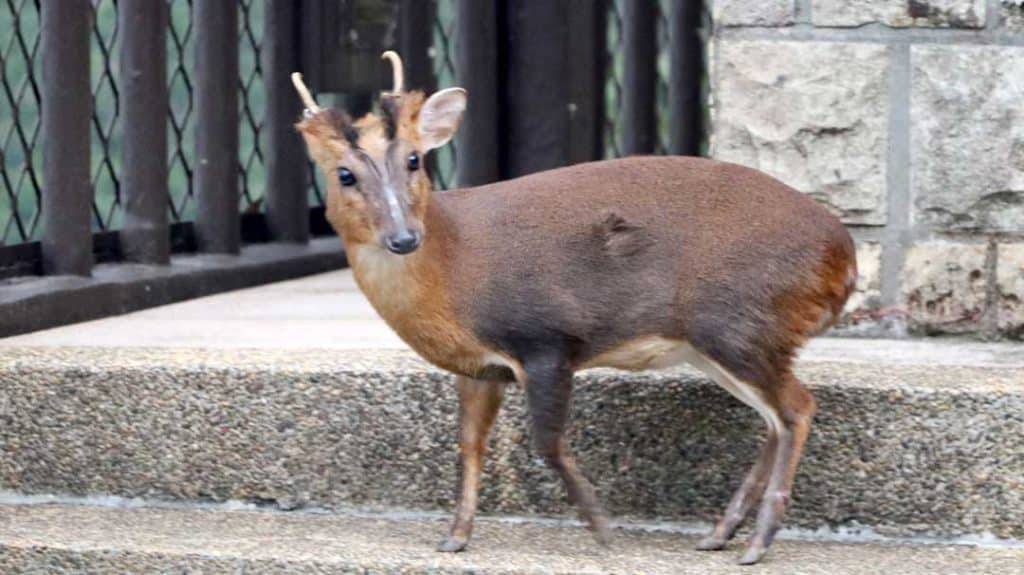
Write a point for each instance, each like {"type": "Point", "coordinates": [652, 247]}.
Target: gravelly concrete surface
{"type": "Point", "coordinates": [59, 539]}
{"type": "Point", "coordinates": [319, 311]}
{"type": "Point", "coordinates": [262, 394]}
{"type": "Point", "coordinates": [906, 449]}
{"type": "Point", "coordinates": [327, 311]}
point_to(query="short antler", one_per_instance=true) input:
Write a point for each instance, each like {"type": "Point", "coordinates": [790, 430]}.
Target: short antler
{"type": "Point", "coordinates": [307, 98]}
{"type": "Point", "coordinates": [398, 72]}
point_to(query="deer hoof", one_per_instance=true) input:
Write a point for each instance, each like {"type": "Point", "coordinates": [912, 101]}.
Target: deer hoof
{"type": "Point", "coordinates": [752, 555]}
{"type": "Point", "coordinates": [711, 543]}
{"type": "Point", "coordinates": [597, 522]}
{"type": "Point", "coordinates": [453, 545]}
{"type": "Point", "coordinates": [603, 536]}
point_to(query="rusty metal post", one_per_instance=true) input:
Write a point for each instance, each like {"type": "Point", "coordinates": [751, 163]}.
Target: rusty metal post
{"type": "Point", "coordinates": [145, 237]}
{"type": "Point", "coordinates": [536, 93]}
{"type": "Point", "coordinates": [477, 69]}
{"type": "Point", "coordinates": [587, 52]}
{"type": "Point", "coordinates": [415, 38]}
{"type": "Point", "coordinates": [66, 111]}
{"type": "Point", "coordinates": [218, 225]}
{"type": "Point", "coordinates": [640, 51]}
{"type": "Point", "coordinates": [686, 55]}
{"type": "Point", "coordinates": [287, 203]}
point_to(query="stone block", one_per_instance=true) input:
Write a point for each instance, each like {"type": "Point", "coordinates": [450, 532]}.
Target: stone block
{"type": "Point", "coordinates": [1010, 289]}
{"type": "Point", "coordinates": [746, 13]}
{"type": "Point", "coordinates": [899, 13]}
{"type": "Point", "coordinates": [944, 286]}
{"type": "Point", "coordinates": [1011, 15]}
{"type": "Point", "coordinates": [911, 437]}
{"type": "Point", "coordinates": [812, 114]}
{"type": "Point", "coordinates": [967, 137]}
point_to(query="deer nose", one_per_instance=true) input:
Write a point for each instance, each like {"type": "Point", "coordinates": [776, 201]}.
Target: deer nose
{"type": "Point", "coordinates": [403, 242]}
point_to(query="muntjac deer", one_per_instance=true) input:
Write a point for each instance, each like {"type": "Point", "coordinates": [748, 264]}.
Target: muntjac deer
{"type": "Point", "coordinates": [635, 263]}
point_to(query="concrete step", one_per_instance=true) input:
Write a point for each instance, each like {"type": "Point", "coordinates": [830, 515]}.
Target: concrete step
{"type": "Point", "coordinates": [923, 442]}
{"type": "Point", "coordinates": [65, 539]}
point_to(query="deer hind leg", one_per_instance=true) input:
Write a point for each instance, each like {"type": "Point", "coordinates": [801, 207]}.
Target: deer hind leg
{"type": "Point", "coordinates": [787, 413]}
{"type": "Point", "coordinates": [548, 391]}
{"type": "Point", "coordinates": [478, 408]}
{"type": "Point", "coordinates": [795, 408]}
{"type": "Point", "coordinates": [746, 497]}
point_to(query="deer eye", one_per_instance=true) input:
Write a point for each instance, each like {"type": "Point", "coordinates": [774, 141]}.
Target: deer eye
{"type": "Point", "coordinates": [346, 176]}
{"type": "Point", "coordinates": [414, 162]}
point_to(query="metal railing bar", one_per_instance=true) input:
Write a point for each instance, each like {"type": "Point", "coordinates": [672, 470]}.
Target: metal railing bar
{"type": "Point", "coordinates": [144, 236]}
{"type": "Point", "coordinates": [686, 55]}
{"type": "Point", "coordinates": [286, 198]}
{"type": "Point", "coordinates": [216, 103]}
{"type": "Point", "coordinates": [477, 69]}
{"type": "Point", "coordinates": [66, 245]}
{"type": "Point", "coordinates": [640, 50]}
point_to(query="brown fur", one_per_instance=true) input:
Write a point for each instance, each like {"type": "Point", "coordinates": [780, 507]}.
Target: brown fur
{"type": "Point", "coordinates": [626, 262]}
{"type": "Point", "coordinates": [478, 408]}
{"type": "Point", "coordinates": [414, 300]}
{"type": "Point", "coordinates": [412, 293]}
{"type": "Point", "coordinates": [564, 250]}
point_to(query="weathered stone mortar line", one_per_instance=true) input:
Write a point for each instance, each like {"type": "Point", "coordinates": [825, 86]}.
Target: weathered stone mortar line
{"type": "Point", "coordinates": [993, 9]}
{"type": "Point", "coordinates": [873, 33]}
{"type": "Point", "coordinates": [990, 319]}
{"type": "Point", "coordinates": [896, 236]}
{"type": "Point", "coordinates": [968, 236]}
{"type": "Point", "coordinates": [804, 11]}
{"type": "Point", "coordinates": [714, 94]}
{"type": "Point", "coordinates": [867, 233]}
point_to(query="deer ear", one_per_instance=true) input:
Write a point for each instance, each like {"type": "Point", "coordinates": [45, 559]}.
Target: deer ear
{"type": "Point", "coordinates": [440, 117]}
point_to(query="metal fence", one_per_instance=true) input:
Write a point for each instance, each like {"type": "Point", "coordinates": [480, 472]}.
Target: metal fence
{"type": "Point", "coordinates": [669, 33]}
{"type": "Point", "coordinates": [444, 39]}
{"type": "Point", "coordinates": [634, 67]}
{"type": "Point", "coordinates": [20, 121]}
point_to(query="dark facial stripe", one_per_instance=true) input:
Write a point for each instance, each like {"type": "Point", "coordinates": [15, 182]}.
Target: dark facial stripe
{"type": "Point", "coordinates": [368, 161]}
{"type": "Point", "coordinates": [351, 134]}
{"type": "Point", "coordinates": [343, 123]}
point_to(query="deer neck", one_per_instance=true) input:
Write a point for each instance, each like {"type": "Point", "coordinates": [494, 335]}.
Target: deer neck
{"type": "Point", "coordinates": [412, 294]}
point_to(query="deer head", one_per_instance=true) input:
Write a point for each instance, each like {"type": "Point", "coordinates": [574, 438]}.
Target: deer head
{"type": "Point", "coordinates": [377, 187]}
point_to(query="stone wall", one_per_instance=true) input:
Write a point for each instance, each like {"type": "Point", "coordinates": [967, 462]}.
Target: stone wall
{"type": "Point", "coordinates": [906, 119]}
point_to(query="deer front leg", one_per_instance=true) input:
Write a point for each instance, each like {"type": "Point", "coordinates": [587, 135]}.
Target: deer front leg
{"type": "Point", "coordinates": [478, 407]}
{"type": "Point", "coordinates": [548, 391]}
